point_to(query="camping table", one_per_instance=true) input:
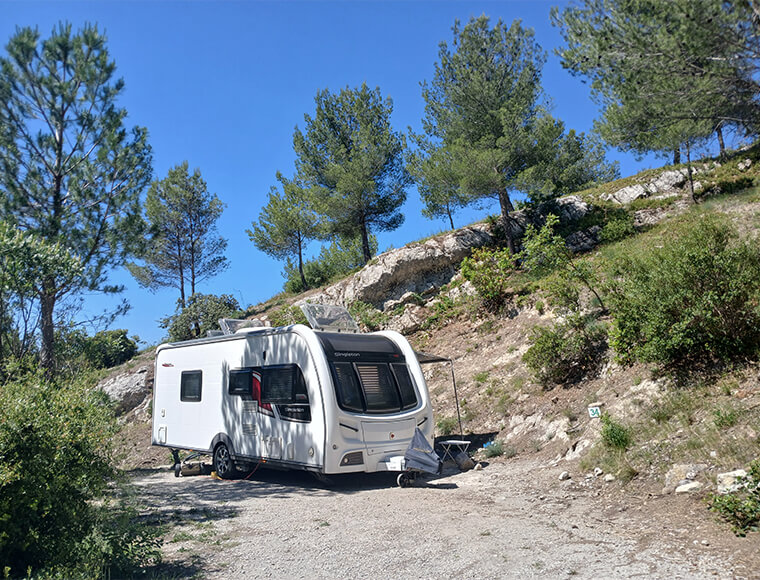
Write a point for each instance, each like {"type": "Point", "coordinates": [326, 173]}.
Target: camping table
{"type": "Point", "coordinates": [453, 446]}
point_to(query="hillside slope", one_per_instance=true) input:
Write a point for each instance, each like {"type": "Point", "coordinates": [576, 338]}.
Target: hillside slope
{"type": "Point", "coordinates": [679, 435]}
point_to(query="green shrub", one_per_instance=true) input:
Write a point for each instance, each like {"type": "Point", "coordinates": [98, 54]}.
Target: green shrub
{"type": "Point", "coordinates": [367, 315]}
{"type": "Point", "coordinates": [201, 314]}
{"type": "Point", "coordinates": [614, 435]}
{"type": "Point", "coordinates": [287, 315]}
{"type": "Point", "coordinates": [488, 270]}
{"type": "Point", "coordinates": [495, 449]}
{"type": "Point", "coordinates": [447, 425]}
{"type": "Point", "coordinates": [109, 348]}
{"type": "Point", "coordinates": [693, 298]}
{"type": "Point", "coordinates": [741, 508]}
{"type": "Point", "coordinates": [617, 228]}
{"type": "Point", "coordinates": [565, 352]}
{"type": "Point", "coordinates": [55, 478]}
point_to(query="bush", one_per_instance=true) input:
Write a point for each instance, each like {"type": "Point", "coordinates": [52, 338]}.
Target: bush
{"type": "Point", "coordinates": [488, 270]}
{"type": "Point", "coordinates": [109, 348]}
{"type": "Point", "coordinates": [692, 299]}
{"type": "Point", "coordinates": [741, 508]}
{"type": "Point", "coordinates": [614, 435]}
{"type": "Point", "coordinates": [565, 352]}
{"type": "Point", "coordinates": [287, 315]}
{"type": "Point", "coordinates": [334, 261]}
{"type": "Point", "coordinates": [367, 315]}
{"type": "Point", "coordinates": [447, 425]}
{"type": "Point", "coordinates": [55, 477]}
{"type": "Point", "coordinates": [201, 314]}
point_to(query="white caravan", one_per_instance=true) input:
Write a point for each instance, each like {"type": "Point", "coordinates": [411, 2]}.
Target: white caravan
{"type": "Point", "coordinates": [293, 397]}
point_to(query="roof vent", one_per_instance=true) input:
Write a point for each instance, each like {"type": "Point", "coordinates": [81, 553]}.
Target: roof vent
{"type": "Point", "coordinates": [329, 317]}
{"type": "Point", "coordinates": [232, 325]}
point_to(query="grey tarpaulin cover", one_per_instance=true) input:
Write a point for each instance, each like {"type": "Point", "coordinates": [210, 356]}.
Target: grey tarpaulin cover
{"type": "Point", "coordinates": [420, 455]}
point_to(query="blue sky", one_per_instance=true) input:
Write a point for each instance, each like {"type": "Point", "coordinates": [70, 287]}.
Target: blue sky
{"type": "Point", "coordinates": [223, 84]}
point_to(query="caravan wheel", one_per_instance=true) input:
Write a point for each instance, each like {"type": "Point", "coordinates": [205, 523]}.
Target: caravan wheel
{"type": "Point", "coordinates": [223, 463]}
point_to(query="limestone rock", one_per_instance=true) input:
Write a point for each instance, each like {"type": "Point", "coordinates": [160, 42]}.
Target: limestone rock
{"type": "Point", "coordinates": [667, 184]}
{"type": "Point", "coordinates": [417, 269]}
{"type": "Point", "coordinates": [564, 476]}
{"type": "Point", "coordinates": [682, 474]}
{"type": "Point", "coordinates": [609, 478]}
{"type": "Point", "coordinates": [744, 165]}
{"type": "Point", "coordinates": [729, 482]}
{"type": "Point", "coordinates": [583, 241]}
{"type": "Point", "coordinates": [690, 487]}
{"type": "Point", "coordinates": [410, 321]}
{"type": "Point", "coordinates": [128, 389]}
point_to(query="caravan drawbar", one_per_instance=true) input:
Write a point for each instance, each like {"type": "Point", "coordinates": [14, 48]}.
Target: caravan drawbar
{"type": "Point", "coordinates": [292, 397]}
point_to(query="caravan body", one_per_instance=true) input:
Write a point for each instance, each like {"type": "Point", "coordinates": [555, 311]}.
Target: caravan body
{"type": "Point", "coordinates": [291, 397]}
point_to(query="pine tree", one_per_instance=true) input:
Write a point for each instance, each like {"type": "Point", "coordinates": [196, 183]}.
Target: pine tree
{"type": "Point", "coordinates": [71, 172]}
{"type": "Point", "coordinates": [286, 224]}
{"type": "Point", "coordinates": [184, 247]}
{"type": "Point", "coordinates": [353, 161]}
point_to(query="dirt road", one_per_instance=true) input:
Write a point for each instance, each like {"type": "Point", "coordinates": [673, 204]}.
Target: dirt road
{"type": "Point", "coordinates": [513, 519]}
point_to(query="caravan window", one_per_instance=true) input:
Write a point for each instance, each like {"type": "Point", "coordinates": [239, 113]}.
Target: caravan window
{"type": "Point", "coordinates": [374, 387]}
{"type": "Point", "coordinates": [240, 381]}
{"type": "Point", "coordinates": [283, 385]}
{"type": "Point", "coordinates": [190, 386]}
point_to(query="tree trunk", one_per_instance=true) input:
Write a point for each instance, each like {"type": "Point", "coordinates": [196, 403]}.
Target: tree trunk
{"type": "Point", "coordinates": [689, 171]}
{"type": "Point", "coordinates": [451, 217]}
{"type": "Point", "coordinates": [721, 143]}
{"type": "Point", "coordinates": [506, 220]}
{"type": "Point", "coordinates": [300, 266]}
{"type": "Point", "coordinates": [677, 156]}
{"type": "Point", "coordinates": [47, 305]}
{"type": "Point", "coordinates": [365, 244]}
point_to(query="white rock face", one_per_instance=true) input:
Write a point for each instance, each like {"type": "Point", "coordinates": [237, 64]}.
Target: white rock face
{"type": "Point", "coordinates": [667, 184]}
{"type": "Point", "coordinates": [129, 389]}
{"type": "Point", "coordinates": [728, 482]}
{"type": "Point", "coordinates": [416, 269]}
{"type": "Point", "coordinates": [690, 487]}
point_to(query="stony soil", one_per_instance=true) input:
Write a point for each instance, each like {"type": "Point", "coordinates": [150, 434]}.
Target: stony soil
{"type": "Point", "coordinates": [512, 519]}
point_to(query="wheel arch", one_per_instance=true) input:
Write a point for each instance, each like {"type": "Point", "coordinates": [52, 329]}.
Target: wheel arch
{"type": "Point", "coordinates": [223, 438]}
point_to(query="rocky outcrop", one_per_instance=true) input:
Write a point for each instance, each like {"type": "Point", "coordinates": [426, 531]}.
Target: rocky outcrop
{"type": "Point", "coordinates": [667, 184]}
{"type": "Point", "coordinates": [130, 389]}
{"type": "Point", "coordinates": [417, 269]}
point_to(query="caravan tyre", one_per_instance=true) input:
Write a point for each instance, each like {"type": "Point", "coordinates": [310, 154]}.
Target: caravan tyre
{"type": "Point", "coordinates": [223, 463]}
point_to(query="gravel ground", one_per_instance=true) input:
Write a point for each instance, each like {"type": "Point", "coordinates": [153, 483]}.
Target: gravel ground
{"type": "Point", "coordinates": [512, 519]}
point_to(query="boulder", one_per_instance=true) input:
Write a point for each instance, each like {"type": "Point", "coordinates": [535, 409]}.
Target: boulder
{"type": "Point", "coordinates": [690, 487]}
{"type": "Point", "coordinates": [128, 389]}
{"type": "Point", "coordinates": [729, 482]}
{"type": "Point", "coordinates": [666, 184]}
{"type": "Point", "coordinates": [682, 474]}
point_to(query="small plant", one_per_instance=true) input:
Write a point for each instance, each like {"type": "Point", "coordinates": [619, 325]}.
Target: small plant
{"type": "Point", "coordinates": [368, 316]}
{"type": "Point", "coordinates": [726, 417]}
{"type": "Point", "coordinates": [539, 305]}
{"type": "Point", "coordinates": [741, 508]}
{"type": "Point", "coordinates": [446, 425]}
{"type": "Point", "coordinates": [489, 270]}
{"type": "Point", "coordinates": [481, 377]}
{"type": "Point", "coordinates": [287, 315]}
{"type": "Point", "coordinates": [615, 435]}
{"type": "Point", "coordinates": [494, 449]}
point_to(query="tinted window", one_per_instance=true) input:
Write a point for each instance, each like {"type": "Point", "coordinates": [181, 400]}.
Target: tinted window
{"type": "Point", "coordinates": [347, 387]}
{"type": "Point", "coordinates": [379, 391]}
{"type": "Point", "coordinates": [405, 386]}
{"type": "Point", "coordinates": [374, 387]}
{"type": "Point", "coordinates": [283, 384]}
{"type": "Point", "coordinates": [240, 382]}
{"type": "Point", "coordinates": [190, 386]}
